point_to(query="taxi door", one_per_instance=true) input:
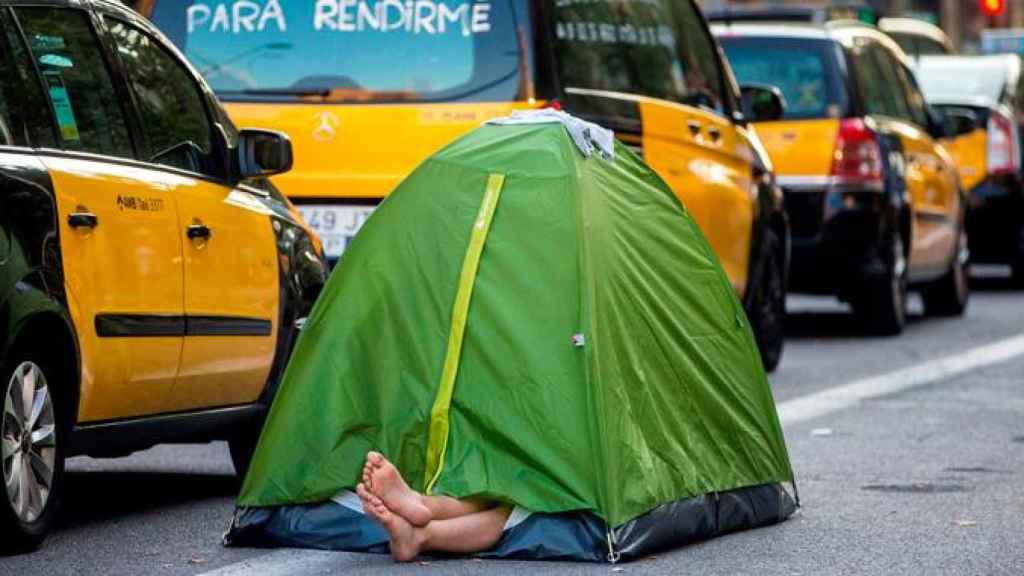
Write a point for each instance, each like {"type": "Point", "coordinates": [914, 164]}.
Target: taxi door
{"type": "Point", "coordinates": [229, 255]}
{"type": "Point", "coordinates": [707, 162]}
{"type": "Point", "coordinates": [930, 176]}
{"type": "Point", "coordinates": [118, 225]}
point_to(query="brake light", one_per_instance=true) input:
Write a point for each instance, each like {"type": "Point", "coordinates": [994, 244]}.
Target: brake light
{"type": "Point", "coordinates": [857, 156]}
{"type": "Point", "coordinates": [1002, 154]}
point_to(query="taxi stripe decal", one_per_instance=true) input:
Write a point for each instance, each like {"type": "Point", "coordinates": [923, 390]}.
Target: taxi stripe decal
{"type": "Point", "coordinates": [148, 325]}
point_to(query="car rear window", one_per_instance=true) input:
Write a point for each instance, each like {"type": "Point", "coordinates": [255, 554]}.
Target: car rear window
{"type": "Point", "coordinates": [916, 45]}
{"type": "Point", "coordinates": [803, 70]}
{"type": "Point", "coordinates": [941, 80]}
{"type": "Point", "coordinates": [354, 50]}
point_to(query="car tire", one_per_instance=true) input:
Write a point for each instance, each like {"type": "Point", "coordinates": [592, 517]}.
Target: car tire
{"type": "Point", "coordinates": [32, 465]}
{"type": "Point", "coordinates": [948, 296]}
{"type": "Point", "coordinates": [882, 305]}
{"type": "Point", "coordinates": [767, 310]}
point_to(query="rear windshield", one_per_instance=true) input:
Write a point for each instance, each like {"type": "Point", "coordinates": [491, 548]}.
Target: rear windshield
{"type": "Point", "coordinates": [354, 50]}
{"type": "Point", "coordinates": [803, 70]}
{"type": "Point", "coordinates": [915, 45]}
{"type": "Point", "coordinates": [940, 81]}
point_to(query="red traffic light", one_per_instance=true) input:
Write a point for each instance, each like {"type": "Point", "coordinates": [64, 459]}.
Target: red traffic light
{"type": "Point", "coordinates": [993, 7]}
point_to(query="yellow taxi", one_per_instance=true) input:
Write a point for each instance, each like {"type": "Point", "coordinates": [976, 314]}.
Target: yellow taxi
{"type": "Point", "coordinates": [152, 279]}
{"type": "Point", "coordinates": [990, 90]}
{"type": "Point", "coordinates": [368, 89]}
{"type": "Point", "coordinates": [872, 194]}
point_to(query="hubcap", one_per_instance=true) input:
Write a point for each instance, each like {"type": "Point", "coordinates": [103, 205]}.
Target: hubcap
{"type": "Point", "coordinates": [29, 441]}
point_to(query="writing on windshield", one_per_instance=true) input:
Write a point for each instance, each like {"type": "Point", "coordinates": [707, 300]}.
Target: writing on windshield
{"type": "Point", "coordinates": [353, 50]}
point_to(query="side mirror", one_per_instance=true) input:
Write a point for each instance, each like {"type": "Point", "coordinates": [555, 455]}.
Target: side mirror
{"type": "Point", "coordinates": [761, 102]}
{"type": "Point", "coordinates": [263, 153]}
{"type": "Point", "coordinates": [959, 122]}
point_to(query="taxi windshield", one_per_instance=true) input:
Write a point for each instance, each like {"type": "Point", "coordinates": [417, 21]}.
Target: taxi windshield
{"type": "Point", "coordinates": [354, 50]}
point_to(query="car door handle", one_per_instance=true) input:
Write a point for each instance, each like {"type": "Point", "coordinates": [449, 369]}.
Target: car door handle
{"type": "Point", "coordinates": [197, 231]}
{"type": "Point", "coordinates": [82, 219]}
{"type": "Point", "coordinates": [694, 127]}
{"type": "Point", "coordinates": [714, 133]}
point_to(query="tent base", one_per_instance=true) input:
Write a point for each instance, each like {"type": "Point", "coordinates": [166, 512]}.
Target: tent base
{"type": "Point", "coordinates": [579, 536]}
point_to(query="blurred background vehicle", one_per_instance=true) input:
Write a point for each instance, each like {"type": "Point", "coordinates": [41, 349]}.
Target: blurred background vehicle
{"type": "Point", "coordinates": [879, 209]}
{"type": "Point", "coordinates": [364, 102]}
{"type": "Point", "coordinates": [990, 88]}
{"type": "Point", "coordinates": [916, 37]}
{"type": "Point", "coordinates": [806, 12]}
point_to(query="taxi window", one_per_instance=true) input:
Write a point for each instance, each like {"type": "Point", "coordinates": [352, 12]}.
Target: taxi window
{"type": "Point", "coordinates": [894, 101]}
{"type": "Point", "coordinates": [33, 110]}
{"type": "Point", "coordinates": [85, 106]}
{"type": "Point", "coordinates": [170, 104]}
{"type": "Point", "coordinates": [656, 48]}
{"type": "Point", "coordinates": [915, 100]}
{"type": "Point", "coordinates": [10, 87]}
{"type": "Point", "coordinates": [869, 81]}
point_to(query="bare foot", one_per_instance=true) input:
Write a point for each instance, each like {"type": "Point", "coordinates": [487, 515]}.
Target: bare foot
{"type": "Point", "coordinates": [406, 540]}
{"type": "Point", "coordinates": [387, 484]}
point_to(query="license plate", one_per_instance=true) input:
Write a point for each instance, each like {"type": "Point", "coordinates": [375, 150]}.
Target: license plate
{"type": "Point", "coordinates": [336, 225]}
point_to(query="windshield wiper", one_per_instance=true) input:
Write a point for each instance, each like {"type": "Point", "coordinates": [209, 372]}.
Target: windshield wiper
{"type": "Point", "coordinates": [321, 92]}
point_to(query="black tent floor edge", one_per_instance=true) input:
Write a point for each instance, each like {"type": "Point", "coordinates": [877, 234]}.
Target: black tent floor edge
{"type": "Point", "coordinates": [573, 536]}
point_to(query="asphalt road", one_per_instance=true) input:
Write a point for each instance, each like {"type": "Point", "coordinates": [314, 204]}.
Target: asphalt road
{"type": "Point", "coordinates": [926, 480]}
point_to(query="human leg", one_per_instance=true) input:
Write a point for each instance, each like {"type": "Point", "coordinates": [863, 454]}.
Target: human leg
{"type": "Point", "coordinates": [465, 534]}
{"type": "Point", "coordinates": [445, 507]}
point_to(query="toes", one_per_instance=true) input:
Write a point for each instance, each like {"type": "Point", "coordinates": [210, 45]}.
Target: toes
{"type": "Point", "coordinates": [375, 459]}
{"type": "Point", "coordinates": [363, 492]}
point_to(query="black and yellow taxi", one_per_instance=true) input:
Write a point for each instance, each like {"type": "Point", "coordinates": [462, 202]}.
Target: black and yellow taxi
{"type": "Point", "coordinates": [368, 89]}
{"type": "Point", "coordinates": [151, 278]}
{"type": "Point", "coordinates": [872, 193]}
{"type": "Point", "coordinates": [989, 88]}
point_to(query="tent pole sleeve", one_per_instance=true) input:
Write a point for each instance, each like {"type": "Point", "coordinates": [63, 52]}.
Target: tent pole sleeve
{"type": "Point", "coordinates": [438, 433]}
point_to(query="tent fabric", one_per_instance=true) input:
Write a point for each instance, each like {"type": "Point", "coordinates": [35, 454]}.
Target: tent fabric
{"type": "Point", "coordinates": [576, 536]}
{"type": "Point", "coordinates": [606, 366]}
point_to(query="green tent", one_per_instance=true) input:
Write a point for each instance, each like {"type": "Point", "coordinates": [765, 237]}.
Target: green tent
{"type": "Point", "coordinates": [522, 322]}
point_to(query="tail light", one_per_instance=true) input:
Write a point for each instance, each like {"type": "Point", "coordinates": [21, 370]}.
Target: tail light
{"type": "Point", "coordinates": [1002, 153]}
{"type": "Point", "coordinates": [857, 156]}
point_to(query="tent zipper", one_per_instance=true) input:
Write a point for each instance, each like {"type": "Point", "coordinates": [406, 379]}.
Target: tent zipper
{"type": "Point", "coordinates": [437, 439]}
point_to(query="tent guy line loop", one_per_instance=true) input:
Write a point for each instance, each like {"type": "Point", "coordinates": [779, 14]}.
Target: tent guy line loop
{"type": "Point", "coordinates": [837, 398]}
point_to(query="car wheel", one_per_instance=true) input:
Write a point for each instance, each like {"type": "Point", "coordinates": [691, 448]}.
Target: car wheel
{"type": "Point", "coordinates": [32, 452]}
{"type": "Point", "coordinates": [883, 303]}
{"type": "Point", "coordinates": [948, 295]}
{"type": "Point", "coordinates": [768, 307]}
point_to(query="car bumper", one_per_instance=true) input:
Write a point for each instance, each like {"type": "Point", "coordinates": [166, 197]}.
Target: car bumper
{"type": "Point", "coordinates": [836, 231]}
{"type": "Point", "coordinates": [994, 220]}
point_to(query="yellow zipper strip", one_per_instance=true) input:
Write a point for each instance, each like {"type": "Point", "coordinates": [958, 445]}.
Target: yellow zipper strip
{"type": "Point", "coordinates": [437, 442]}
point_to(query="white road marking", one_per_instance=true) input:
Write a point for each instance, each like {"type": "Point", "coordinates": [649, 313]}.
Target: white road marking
{"type": "Point", "coordinates": [831, 400]}
{"type": "Point", "coordinates": [299, 561]}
